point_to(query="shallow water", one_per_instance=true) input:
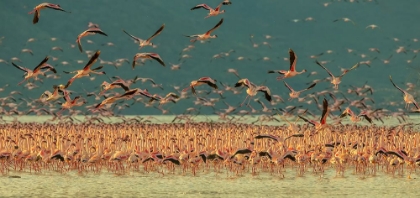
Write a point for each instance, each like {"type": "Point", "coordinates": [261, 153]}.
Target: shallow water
{"type": "Point", "coordinates": [247, 119]}
{"type": "Point", "coordinates": [138, 184]}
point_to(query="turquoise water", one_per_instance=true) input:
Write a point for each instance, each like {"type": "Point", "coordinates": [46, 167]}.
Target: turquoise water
{"type": "Point", "coordinates": [305, 26]}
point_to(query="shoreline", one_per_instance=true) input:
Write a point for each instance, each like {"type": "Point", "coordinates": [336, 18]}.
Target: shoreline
{"type": "Point", "coordinates": [167, 119]}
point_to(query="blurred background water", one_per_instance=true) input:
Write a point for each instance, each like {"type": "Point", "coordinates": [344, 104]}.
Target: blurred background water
{"type": "Point", "coordinates": [306, 26]}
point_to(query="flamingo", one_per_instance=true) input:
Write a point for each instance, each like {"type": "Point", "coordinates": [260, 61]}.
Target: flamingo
{"type": "Point", "coordinates": [253, 89]}
{"type": "Point", "coordinates": [226, 2]}
{"type": "Point", "coordinates": [292, 71]}
{"type": "Point", "coordinates": [212, 12]}
{"type": "Point", "coordinates": [147, 42]}
{"type": "Point", "coordinates": [337, 80]}
{"type": "Point", "coordinates": [36, 71]}
{"type": "Point", "coordinates": [107, 101]}
{"type": "Point", "coordinates": [69, 103]}
{"type": "Point", "coordinates": [203, 80]}
{"type": "Point", "coordinates": [205, 36]}
{"type": "Point", "coordinates": [323, 121]}
{"type": "Point", "coordinates": [408, 98]}
{"type": "Point", "coordinates": [153, 56]}
{"type": "Point", "coordinates": [170, 97]}
{"type": "Point", "coordinates": [295, 94]}
{"type": "Point", "coordinates": [132, 92]}
{"type": "Point", "coordinates": [36, 11]}
{"type": "Point", "coordinates": [55, 95]}
{"type": "Point", "coordinates": [86, 71]}
{"type": "Point", "coordinates": [90, 31]}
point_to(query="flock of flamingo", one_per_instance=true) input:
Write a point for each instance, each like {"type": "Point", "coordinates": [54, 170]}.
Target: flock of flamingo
{"type": "Point", "coordinates": [189, 147]}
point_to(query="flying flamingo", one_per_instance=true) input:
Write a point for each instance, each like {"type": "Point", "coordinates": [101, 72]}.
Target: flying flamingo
{"type": "Point", "coordinates": [292, 71]}
{"type": "Point", "coordinates": [90, 31]}
{"type": "Point", "coordinates": [86, 71]}
{"type": "Point", "coordinates": [37, 70]}
{"type": "Point", "coordinates": [337, 80]}
{"type": "Point", "coordinates": [203, 80]}
{"type": "Point", "coordinates": [226, 2]}
{"type": "Point", "coordinates": [323, 122]}
{"type": "Point", "coordinates": [170, 97]}
{"type": "Point", "coordinates": [105, 86]}
{"type": "Point", "coordinates": [108, 101]}
{"type": "Point", "coordinates": [153, 56]}
{"type": "Point", "coordinates": [295, 94]}
{"type": "Point", "coordinates": [205, 36]}
{"type": "Point", "coordinates": [55, 95]}
{"type": "Point", "coordinates": [253, 89]}
{"type": "Point", "coordinates": [36, 11]}
{"type": "Point", "coordinates": [212, 12]}
{"type": "Point", "coordinates": [132, 92]}
{"type": "Point", "coordinates": [408, 98]}
{"type": "Point", "coordinates": [349, 112]}
{"type": "Point", "coordinates": [69, 103]}
{"type": "Point", "coordinates": [143, 43]}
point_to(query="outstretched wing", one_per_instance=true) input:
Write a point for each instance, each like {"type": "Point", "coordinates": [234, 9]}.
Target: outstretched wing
{"type": "Point", "coordinates": [20, 67]}
{"type": "Point", "coordinates": [92, 60]}
{"type": "Point", "coordinates": [293, 60]}
{"type": "Point", "coordinates": [205, 6]}
{"type": "Point", "coordinates": [215, 27]}
{"type": "Point", "coordinates": [156, 33]}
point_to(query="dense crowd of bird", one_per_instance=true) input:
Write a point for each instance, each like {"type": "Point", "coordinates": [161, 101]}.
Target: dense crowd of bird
{"type": "Point", "coordinates": [223, 147]}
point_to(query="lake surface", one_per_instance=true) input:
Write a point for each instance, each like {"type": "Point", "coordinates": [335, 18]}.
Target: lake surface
{"type": "Point", "coordinates": [260, 33]}
{"type": "Point", "coordinates": [207, 185]}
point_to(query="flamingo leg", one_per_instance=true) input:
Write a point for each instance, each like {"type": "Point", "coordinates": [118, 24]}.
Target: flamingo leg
{"type": "Point", "coordinates": [244, 100]}
{"type": "Point", "coordinates": [22, 81]}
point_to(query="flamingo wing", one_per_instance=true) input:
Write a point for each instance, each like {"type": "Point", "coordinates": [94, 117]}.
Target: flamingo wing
{"type": "Point", "coordinates": [215, 27]}
{"type": "Point", "coordinates": [287, 85]}
{"type": "Point", "coordinates": [133, 37]}
{"type": "Point", "coordinates": [157, 58]}
{"type": "Point", "coordinates": [156, 33]}
{"type": "Point", "coordinates": [96, 31]}
{"type": "Point", "coordinates": [20, 67]}
{"type": "Point", "coordinates": [403, 91]}
{"type": "Point", "coordinates": [41, 64]}
{"type": "Point", "coordinates": [329, 73]}
{"type": "Point", "coordinates": [293, 60]}
{"type": "Point", "coordinates": [324, 111]}
{"type": "Point", "coordinates": [205, 6]}
{"type": "Point", "coordinates": [92, 60]}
